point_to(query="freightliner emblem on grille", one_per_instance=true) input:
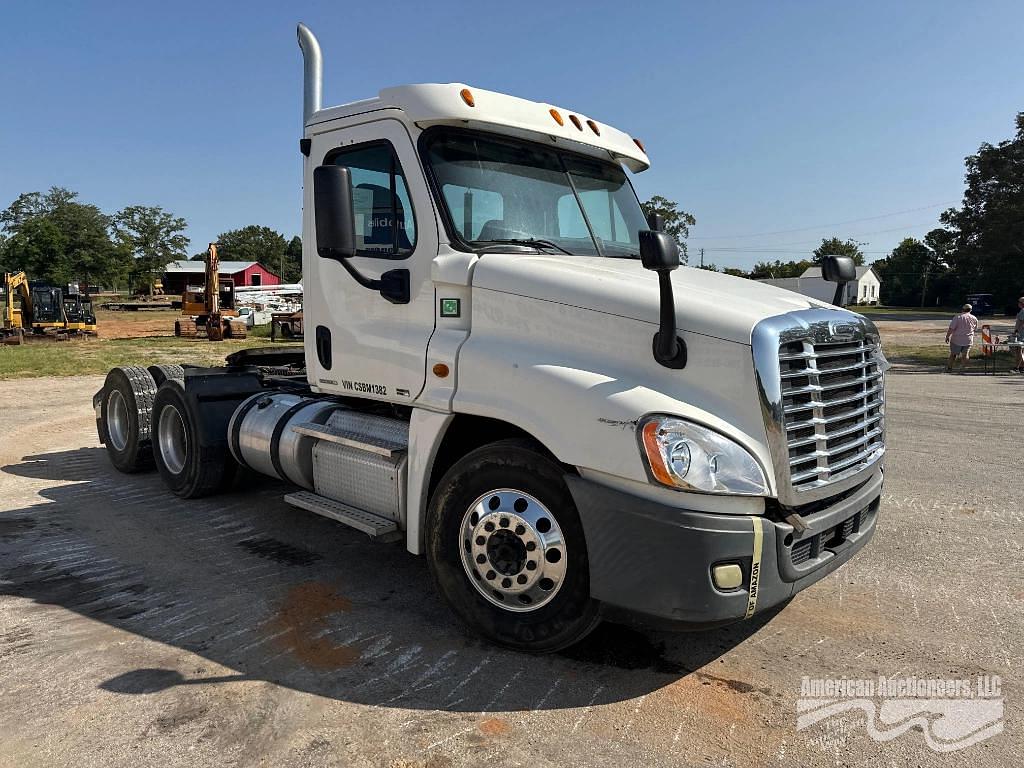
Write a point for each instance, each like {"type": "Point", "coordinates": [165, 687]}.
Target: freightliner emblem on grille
{"type": "Point", "coordinates": [841, 331]}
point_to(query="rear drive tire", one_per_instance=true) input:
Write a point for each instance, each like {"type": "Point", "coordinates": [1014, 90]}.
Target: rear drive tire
{"type": "Point", "coordinates": [162, 373]}
{"type": "Point", "coordinates": [188, 468]}
{"type": "Point", "coordinates": [126, 408]}
{"type": "Point", "coordinates": [506, 549]}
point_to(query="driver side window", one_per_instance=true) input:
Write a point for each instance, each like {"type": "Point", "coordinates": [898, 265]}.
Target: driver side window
{"type": "Point", "coordinates": [384, 219]}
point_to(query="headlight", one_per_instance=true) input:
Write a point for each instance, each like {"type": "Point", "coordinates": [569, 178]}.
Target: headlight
{"type": "Point", "coordinates": [681, 454]}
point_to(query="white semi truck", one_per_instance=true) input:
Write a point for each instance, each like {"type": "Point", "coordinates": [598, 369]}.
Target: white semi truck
{"type": "Point", "coordinates": [504, 369]}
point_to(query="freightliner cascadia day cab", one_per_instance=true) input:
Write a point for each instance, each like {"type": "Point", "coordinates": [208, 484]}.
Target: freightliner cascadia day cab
{"type": "Point", "coordinates": [504, 369]}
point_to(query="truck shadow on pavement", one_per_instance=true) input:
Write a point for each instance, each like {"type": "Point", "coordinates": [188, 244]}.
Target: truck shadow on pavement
{"type": "Point", "coordinates": [276, 594]}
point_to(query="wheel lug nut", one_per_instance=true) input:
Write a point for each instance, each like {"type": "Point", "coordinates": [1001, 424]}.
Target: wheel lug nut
{"type": "Point", "coordinates": [520, 530]}
{"type": "Point", "coordinates": [490, 575]}
{"type": "Point", "coordinates": [488, 526]}
{"type": "Point", "coordinates": [506, 583]}
{"type": "Point", "coordinates": [531, 566]}
{"type": "Point", "coordinates": [480, 540]}
{"type": "Point", "coordinates": [530, 546]}
{"type": "Point", "coordinates": [521, 578]}
{"type": "Point", "coordinates": [481, 559]}
{"type": "Point", "coordinates": [504, 522]}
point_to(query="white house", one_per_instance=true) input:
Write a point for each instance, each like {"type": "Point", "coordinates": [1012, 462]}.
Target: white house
{"type": "Point", "coordinates": [862, 290]}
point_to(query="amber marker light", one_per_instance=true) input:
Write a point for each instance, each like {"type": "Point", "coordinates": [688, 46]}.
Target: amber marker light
{"type": "Point", "coordinates": [441, 370]}
{"type": "Point", "coordinates": [640, 144]}
{"type": "Point", "coordinates": [594, 128]}
{"type": "Point", "coordinates": [653, 451]}
{"type": "Point", "coordinates": [557, 116]}
{"type": "Point", "coordinates": [576, 121]}
{"type": "Point", "coordinates": [467, 96]}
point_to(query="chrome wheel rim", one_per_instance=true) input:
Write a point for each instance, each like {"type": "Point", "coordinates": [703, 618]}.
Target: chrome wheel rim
{"type": "Point", "coordinates": [513, 550]}
{"type": "Point", "coordinates": [172, 439]}
{"type": "Point", "coordinates": [117, 420]}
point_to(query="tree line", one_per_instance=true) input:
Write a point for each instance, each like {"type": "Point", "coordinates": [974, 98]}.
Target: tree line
{"type": "Point", "coordinates": [56, 238]}
{"type": "Point", "coordinates": [977, 248]}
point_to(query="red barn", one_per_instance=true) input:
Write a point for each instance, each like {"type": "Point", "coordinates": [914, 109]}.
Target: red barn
{"type": "Point", "coordinates": [179, 274]}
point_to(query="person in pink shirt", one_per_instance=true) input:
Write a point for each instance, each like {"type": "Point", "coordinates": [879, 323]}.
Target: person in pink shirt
{"type": "Point", "coordinates": [960, 337]}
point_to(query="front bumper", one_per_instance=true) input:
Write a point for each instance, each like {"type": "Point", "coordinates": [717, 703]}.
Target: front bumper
{"type": "Point", "coordinates": [654, 561]}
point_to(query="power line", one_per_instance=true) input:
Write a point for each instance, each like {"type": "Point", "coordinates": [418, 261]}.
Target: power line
{"type": "Point", "coordinates": [777, 250]}
{"type": "Point", "coordinates": [824, 226]}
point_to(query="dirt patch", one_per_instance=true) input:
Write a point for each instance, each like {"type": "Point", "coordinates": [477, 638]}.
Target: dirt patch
{"type": "Point", "coordinates": [495, 726]}
{"type": "Point", "coordinates": [303, 616]}
{"type": "Point", "coordinates": [136, 325]}
{"type": "Point", "coordinates": [731, 716]}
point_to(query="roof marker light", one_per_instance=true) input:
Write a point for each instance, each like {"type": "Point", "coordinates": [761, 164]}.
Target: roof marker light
{"type": "Point", "coordinates": [640, 144]}
{"type": "Point", "coordinates": [467, 96]}
{"type": "Point", "coordinates": [593, 127]}
{"type": "Point", "coordinates": [576, 121]}
{"type": "Point", "coordinates": [557, 117]}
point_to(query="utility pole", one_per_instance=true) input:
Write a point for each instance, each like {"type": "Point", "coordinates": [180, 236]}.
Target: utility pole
{"type": "Point", "coordinates": [702, 258]}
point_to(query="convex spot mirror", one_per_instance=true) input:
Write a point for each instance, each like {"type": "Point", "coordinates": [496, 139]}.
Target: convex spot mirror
{"type": "Point", "coordinates": [334, 211]}
{"type": "Point", "coordinates": [838, 269]}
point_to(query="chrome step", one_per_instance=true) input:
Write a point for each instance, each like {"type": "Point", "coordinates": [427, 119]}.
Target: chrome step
{"type": "Point", "coordinates": [333, 434]}
{"type": "Point", "coordinates": [375, 526]}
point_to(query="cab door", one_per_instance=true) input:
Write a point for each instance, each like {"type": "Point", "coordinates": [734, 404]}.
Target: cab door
{"type": "Point", "coordinates": [357, 341]}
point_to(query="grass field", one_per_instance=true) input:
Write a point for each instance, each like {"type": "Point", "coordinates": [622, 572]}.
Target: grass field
{"type": "Point", "coordinates": [126, 338]}
{"type": "Point", "coordinates": [72, 358]}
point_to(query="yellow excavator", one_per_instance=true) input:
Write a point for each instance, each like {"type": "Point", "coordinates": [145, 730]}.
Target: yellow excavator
{"type": "Point", "coordinates": [210, 309]}
{"type": "Point", "coordinates": [44, 311]}
{"type": "Point", "coordinates": [16, 318]}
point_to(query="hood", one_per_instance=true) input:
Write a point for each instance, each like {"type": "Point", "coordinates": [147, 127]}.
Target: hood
{"type": "Point", "coordinates": [708, 303]}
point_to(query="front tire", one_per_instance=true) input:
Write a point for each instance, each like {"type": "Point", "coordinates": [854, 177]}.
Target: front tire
{"type": "Point", "coordinates": [506, 549]}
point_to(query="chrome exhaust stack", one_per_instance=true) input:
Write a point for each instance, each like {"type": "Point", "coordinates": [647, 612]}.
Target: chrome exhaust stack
{"type": "Point", "coordinates": [312, 73]}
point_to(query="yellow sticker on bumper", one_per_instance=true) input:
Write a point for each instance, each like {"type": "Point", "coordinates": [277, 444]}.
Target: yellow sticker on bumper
{"type": "Point", "coordinates": [755, 566]}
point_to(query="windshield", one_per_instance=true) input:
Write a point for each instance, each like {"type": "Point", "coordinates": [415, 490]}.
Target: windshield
{"type": "Point", "coordinates": [506, 191]}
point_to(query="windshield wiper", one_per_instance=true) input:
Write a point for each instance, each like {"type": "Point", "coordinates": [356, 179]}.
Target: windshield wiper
{"type": "Point", "coordinates": [536, 243]}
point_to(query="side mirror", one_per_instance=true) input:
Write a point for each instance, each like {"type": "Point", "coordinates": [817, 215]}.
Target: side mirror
{"type": "Point", "coordinates": [838, 269]}
{"type": "Point", "coordinates": [335, 217]}
{"type": "Point", "coordinates": [658, 251]}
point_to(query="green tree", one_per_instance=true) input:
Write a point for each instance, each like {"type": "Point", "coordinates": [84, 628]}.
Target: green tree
{"type": "Point", "coordinates": [987, 231]}
{"type": "Point", "coordinates": [779, 269]}
{"type": "Point", "coordinates": [677, 222]}
{"type": "Point", "coordinates": [57, 239]}
{"type": "Point", "coordinates": [833, 246]}
{"type": "Point", "coordinates": [153, 238]}
{"type": "Point", "coordinates": [736, 272]}
{"type": "Point", "coordinates": [904, 273]}
{"type": "Point", "coordinates": [293, 261]}
{"type": "Point", "coordinates": [254, 243]}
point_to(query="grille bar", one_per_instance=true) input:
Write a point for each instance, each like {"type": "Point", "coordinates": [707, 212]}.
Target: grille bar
{"type": "Point", "coordinates": [815, 355]}
{"type": "Point", "coordinates": [839, 401]}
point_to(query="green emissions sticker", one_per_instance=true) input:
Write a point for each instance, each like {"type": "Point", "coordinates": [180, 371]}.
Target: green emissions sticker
{"type": "Point", "coordinates": [451, 307]}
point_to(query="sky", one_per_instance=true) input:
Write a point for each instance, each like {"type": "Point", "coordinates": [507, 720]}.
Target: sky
{"type": "Point", "coordinates": [775, 124]}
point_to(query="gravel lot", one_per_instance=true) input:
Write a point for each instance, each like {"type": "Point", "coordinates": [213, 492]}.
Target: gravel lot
{"type": "Point", "coordinates": [239, 631]}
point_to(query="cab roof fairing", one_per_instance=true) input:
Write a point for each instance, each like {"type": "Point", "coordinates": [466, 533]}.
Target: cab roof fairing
{"type": "Point", "coordinates": [438, 104]}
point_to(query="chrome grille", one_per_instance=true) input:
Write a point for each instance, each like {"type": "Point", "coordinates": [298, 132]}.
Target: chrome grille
{"type": "Point", "coordinates": [832, 408]}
